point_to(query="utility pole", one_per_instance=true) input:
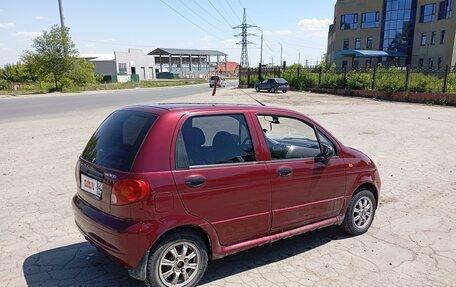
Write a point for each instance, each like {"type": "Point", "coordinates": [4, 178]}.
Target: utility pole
{"type": "Point", "coordinates": [272, 61]}
{"type": "Point", "coordinates": [244, 41]}
{"type": "Point", "coordinates": [261, 49]}
{"type": "Point", "coordinates": [299, 57]}
{"type": "Point", "coordinates": [62, 22]}
{"type": "Point", "coordinates": [281, 52]}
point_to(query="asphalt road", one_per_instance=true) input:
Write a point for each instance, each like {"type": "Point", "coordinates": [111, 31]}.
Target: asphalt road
{"type": "Point", "coordinates": [39, 106]}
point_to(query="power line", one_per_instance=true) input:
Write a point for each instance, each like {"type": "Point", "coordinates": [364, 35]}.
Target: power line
{"type": "Point", "coordinates": [183, 16]}
{"type": "Point", "coordinates": [221, 15]}
{"type": "Point", "coordinates": [232, 10]}
{"type": "Point", "coordinates": [198, 15]}
{"type": "Point", "coordinates": [207, 12]}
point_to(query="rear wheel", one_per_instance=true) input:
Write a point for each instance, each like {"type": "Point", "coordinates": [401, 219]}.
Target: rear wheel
{"type": "Point", "coordinates": [360, 213]}
{"type": "Point", "coordinates": [284, 91]}
{"type": "Point", "coordinates": [257, 89]}
{"type": "Point", "coordinates": [178, 260]}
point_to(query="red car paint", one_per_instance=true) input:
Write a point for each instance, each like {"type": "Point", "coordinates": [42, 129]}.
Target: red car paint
{"type": "Point", "coordinates": [238, 207]}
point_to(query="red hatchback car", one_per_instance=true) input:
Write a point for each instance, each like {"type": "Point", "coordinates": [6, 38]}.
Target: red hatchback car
{"type": "Point", "coordinates": [162, 189]}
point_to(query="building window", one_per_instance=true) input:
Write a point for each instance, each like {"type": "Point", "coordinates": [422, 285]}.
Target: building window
{"type": "Point", "coordinates": [398, 23]}
{"type": "Point", "coordinates": [423, 39]}
{"type": "Point", "coordinates": [433, 36]}
{"type": "Point", "coordinates": [445, 9]}
{"type": "Point", "coordinates": [346, 44]}
{"type": "Point", "coordinates": [442, 37]}
{"type": "Point", "coordinates": [427, 13]}
{"type": "Point", "coordinates": [370, 20]}
{"type": "Point", "coordinates": [349, 22]}
{"type": "Point", "coordinates": [439, 63]}
{"type": "Point", "coordinates": [355, 64]}
{"type": "Point", "coordinates": [369, 43]}
{"type": "Point", "coordinates": [357, 43]}
{"type": "Point", "coordinates": [421, 63]}
{"type": "Point", "coordinates": [122, 68]}
{"type": "Point", "coordinates": [430, 63]}
{"type": "Point", "coordinates": [344, 63]}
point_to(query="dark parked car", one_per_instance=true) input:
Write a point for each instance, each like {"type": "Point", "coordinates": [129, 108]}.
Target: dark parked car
{"type": "Point", "coordinates": [272, 85]}
{"type": "Point", "coordinates": [163, 189]}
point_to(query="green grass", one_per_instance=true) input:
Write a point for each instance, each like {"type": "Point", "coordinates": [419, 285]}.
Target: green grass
{"type": "Point", "coordinates": [45, 87]}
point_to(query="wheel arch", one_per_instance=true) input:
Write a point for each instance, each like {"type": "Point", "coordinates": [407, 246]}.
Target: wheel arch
{"type": "Point", "coordinates": [140, 271]}
{"type": "Point", "coordinates": [369, 186]}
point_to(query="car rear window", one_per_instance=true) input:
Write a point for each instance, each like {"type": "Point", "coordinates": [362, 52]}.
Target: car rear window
{"type": "Point", "coordinates": [213, 78]}
{"type": "Point", "coordinates": [117, 141]}
{"type": "Point", "coordinates": [280, 80]}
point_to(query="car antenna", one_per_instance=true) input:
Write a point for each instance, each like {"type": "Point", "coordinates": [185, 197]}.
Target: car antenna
{"type": "Point", "coordinates": [245, 94]}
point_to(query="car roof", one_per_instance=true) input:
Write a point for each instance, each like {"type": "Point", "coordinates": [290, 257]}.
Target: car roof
{"type": "Point", "coordinates": [192, 107]}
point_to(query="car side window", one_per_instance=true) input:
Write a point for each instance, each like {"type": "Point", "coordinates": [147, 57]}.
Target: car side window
{"type": "Point", "coordinates": [325, 140]}
{"type": "Point", "coordinates": [289, 138]}
{"type": "Point", "coordinates": [218, 139]}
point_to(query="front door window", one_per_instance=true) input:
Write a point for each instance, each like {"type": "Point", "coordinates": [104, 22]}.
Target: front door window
{"type": "Point", "coordinates": [289, 138]}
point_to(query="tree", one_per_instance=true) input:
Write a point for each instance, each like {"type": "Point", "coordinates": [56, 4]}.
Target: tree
{"type": "Point", "coordinates": [54, 54]}
{"type": "Point", "coordinates": [13, 73]}
{"type": "Point", "coordinates": [82, 72]}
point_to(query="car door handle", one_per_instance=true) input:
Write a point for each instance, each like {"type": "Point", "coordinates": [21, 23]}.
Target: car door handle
{"type": "Point", "coordinates": [195, 181]}
{"type": "Point", "coordinates": [285, 171]}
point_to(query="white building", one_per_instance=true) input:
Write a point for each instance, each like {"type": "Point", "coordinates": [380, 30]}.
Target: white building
{"type": "Point", "coordinates": [123, 64]}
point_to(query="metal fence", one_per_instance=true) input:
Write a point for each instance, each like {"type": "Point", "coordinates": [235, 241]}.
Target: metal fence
{"type": "Point", "coordinates": [392, 79]}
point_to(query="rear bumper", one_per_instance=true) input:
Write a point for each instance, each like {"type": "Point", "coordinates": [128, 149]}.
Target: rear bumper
{"type": "Point", "coordinates": [124, 241]}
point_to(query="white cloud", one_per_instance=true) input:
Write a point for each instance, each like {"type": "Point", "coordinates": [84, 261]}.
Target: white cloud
{"type": "Point", "coordinates": [27, 35]}
{"type": "Point", "coordinates": [7, 25]}
{"type": "Point", "coordinates": [40, 18]}
{"type": "Point", "coordinates": [314, 24]}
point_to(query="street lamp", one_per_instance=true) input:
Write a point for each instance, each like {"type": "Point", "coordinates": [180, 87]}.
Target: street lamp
{"type": "Point", "coordinates": [261, 46]}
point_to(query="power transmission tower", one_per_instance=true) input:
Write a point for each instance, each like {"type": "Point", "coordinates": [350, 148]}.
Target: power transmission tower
{"type": "Point", "coordinates": [244, 41]}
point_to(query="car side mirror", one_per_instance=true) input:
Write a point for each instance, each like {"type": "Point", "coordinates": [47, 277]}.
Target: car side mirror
{"type": "Point", "coordinates": [327, 152]}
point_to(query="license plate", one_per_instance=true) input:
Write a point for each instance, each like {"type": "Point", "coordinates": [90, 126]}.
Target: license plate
{"type": "Point", "coordinates": [91, 185]}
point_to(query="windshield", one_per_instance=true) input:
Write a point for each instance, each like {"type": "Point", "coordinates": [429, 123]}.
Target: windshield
{"type": "Point", "coordinates": [117, 141]}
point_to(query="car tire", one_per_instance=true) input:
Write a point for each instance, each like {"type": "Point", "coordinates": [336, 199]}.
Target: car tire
{"type": "Point", "coordinates": [284, 91]}
{"type": "Point", "coordinates": [163, 266]}
{"type": "Point", "coordinates": [273, 90]}
{"type": "Point", "coordinates": [257, 89]}
{"type": "Point", "coordinates": [360, 213]}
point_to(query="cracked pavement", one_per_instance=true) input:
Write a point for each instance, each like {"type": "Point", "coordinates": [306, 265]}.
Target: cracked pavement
{"type": "Point", "coordinates": [412, 241]}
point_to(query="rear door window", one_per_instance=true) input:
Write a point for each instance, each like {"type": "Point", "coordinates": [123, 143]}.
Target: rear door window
{"type": "Point", "coordinates": [218, 139]}
{"type": "Point", "coordinates": [117, 141]}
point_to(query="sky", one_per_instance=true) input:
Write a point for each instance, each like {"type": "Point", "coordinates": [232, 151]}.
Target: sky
{"type": "Point", "coordinates": [104, 26]}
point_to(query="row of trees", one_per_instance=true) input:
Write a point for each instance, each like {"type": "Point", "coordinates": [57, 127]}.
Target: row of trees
{"type": "Point", "coordinates": [54, 59]}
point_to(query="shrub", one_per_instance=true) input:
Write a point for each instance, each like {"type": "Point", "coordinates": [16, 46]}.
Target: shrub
{"type": "Point", "coordinates": [420, 82]}
{"type": "Point", "coordinates": [332, 80]}
{"type": "Point", "coordinates": [390, 80]}
{"type": "Point", "coordinates": [358, 81]}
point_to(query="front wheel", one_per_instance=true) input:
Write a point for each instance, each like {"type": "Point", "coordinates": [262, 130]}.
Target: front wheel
{"type": "Point", "coordinates": [178, 260]}
{"type": "Point", "coordinates": [272, 90]}
{"type": "Point", "coordinates": [360, 213]}
{"type": "Point", "coordinates": [257, 89]}
{"type": "Point", "coordinates": [284, 91]}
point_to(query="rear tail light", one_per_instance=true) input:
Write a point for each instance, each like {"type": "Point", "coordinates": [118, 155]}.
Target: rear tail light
{"type": "Point", "coordinates": [126, 191]}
